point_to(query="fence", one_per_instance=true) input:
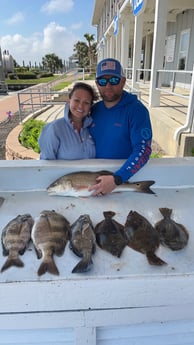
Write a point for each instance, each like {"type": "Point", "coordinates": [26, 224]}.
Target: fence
{"type": "Point", "coordinates": [42, 96]}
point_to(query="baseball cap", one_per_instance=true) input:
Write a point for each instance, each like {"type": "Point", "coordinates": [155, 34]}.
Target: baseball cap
{"type": "Point", "coordinates": [109, 67]}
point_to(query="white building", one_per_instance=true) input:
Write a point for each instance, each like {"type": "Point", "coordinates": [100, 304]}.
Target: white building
{"type": "Point", "coordinates": [8, 62]}
{"type": "Point", "coordinates": [156, 35]}
{"type": "Point", "coordinates": [3, 86]}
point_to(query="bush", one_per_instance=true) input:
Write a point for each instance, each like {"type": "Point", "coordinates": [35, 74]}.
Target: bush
{"type": "Point", "coordinates": [26, 75]}
{"type": "Point", "coordinates": [30, 133]}
{"type": "Point", "coordinates": [12, 76]}
{"type": "Point", "coordinates": [45, 74]}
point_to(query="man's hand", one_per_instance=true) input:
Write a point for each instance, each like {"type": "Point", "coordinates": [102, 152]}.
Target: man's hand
{"type": "Point", "coordinates": [104, 185]}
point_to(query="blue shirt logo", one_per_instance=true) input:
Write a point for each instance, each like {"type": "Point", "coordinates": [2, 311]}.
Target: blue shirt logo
{"type": "Point", "coordinates": [146, 133]}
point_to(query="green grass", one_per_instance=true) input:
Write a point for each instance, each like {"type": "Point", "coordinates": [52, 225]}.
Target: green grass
{"type": "Point", "coordinates": [156, 155]}
{"type": "Point", "coordinates": [62, 85]}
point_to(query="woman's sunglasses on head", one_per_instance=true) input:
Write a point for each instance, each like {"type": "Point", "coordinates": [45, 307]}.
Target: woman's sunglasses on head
{"type": "Point", "coordinates": [105, 81]}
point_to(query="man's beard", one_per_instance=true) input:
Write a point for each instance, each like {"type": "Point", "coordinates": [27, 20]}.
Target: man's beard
{"type": "Point", "coordinates": [110, 99]}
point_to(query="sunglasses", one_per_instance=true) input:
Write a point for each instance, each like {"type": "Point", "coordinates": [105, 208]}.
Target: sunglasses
{"type": "Point", "coordinates": [105, 81]}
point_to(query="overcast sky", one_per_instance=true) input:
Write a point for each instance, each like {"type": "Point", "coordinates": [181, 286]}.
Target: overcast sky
{"type": "Point", "coordinates": [31, 29]}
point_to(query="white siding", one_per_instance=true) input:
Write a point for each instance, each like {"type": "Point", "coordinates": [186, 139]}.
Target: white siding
{"type": "Point", "coordinates": [161, 333]}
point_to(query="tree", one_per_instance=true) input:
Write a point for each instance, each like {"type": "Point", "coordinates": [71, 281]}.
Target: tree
{"type": "Point", "coordinates": [86, 53]}
{"type": "Point", "coordinates": [81, 53]}
{"type": "Point", "coordinates": [52, 62]}
{"type": "Point", "coordinates": [90, 39]}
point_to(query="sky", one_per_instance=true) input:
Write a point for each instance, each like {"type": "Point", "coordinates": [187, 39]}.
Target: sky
{"type": "Point", "coordinates": [31, 29]}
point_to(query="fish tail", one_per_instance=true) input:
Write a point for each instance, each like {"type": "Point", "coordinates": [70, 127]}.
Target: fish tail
{"type": "Point", "coordinates": [48, 266]}
{"type": "Point", "coordinates": [145, 187]}
{"type": "Point", "coordinates": [12, 262]}
{"type": "Point", "coordinates": [83, 266]}
{"type": "Point", "coordinates": [166, 212]}
{"type": "Point", "coordinates": [153, 259]}
{"type": "Point", "coordinates": [109, 214]}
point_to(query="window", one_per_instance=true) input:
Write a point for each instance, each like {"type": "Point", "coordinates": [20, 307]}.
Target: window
{"type": "Point", "coordinates": [183, 49]}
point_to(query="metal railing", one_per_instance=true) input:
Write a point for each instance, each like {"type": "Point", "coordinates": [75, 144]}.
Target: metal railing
{"type": "Point", "coordinates": [173, 75]}
{"type": "Point", "coordinates": [170, 82]}
{"type": "Point", "coordinates": [42, 96]}
{"type": "Point", "coordinates": [166, 80]}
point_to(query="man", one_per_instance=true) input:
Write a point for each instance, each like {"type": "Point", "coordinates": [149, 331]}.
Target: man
{"type": "Point", "coordinates": [121, 126]}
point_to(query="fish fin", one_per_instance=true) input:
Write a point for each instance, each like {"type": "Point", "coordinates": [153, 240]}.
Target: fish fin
{"type": "Point", "coordinates": [38, 253]}
{"type": "Point", "coordinates": [82, 266]}
{"type": "Point", "coordinates": [1, 200]}
{"type": "Point", "coordinates": [75, 250]}
{"type": "Point", "coordinates": [117, 251]}
{"type": "Point", "coordinates": [48, 266]}
{"type": "Point", "coordinates": [94, 248]}
{"type": "Point", "coordinates": [12, 262]}
{"type": "Point", "coordinates": [5, 251]}
{"type": "Point", "coordinates": [153, 259]}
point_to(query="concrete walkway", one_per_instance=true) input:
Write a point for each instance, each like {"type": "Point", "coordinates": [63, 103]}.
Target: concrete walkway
{"type": "Point", "coordinates": [8, 105]}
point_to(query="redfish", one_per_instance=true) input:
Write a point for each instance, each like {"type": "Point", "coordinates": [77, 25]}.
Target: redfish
{"type": "Point", "coordinates": [76, 184]}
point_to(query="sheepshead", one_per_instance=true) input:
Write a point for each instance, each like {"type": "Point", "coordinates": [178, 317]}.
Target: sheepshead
{"type": "Point", "coordinates": [110, 235]}
{"type": "Point", "coordinates": [142, 237]}
{"type": "Point", "coordinates": [83, 242]}
{"type": "Point", "coordinates": [76, 184]}
{"type": "Point", "coordinates": [1, 200]}
{"type": "Point", "coordinates": [15, 239]}
{"type": "Point", "coordinates": [50, 234]}
{"type": "Point", "coordinates": [172, 234]}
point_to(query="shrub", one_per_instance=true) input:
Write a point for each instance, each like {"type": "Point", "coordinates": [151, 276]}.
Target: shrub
{"type": "Point", "coordinates": [26, 75]}
{"type": "Point", "coordinates": [45, 74]}
{"type": "Point", "coordinates": [30, 133]}
{"type": "Point", "coordinates": [12, 76]}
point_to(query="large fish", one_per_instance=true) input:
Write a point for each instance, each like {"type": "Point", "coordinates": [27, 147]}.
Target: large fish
{"type": "Point", "coordinates": [76, 184]}
{"type": "Point", "coordinates": [15, 239]}
{"type": "Point", "coordinates": [50, 234]}
{"type": "Point", "coordinates": [172, 234]}
{"type": "Point", "coordinates": [110, 235]}
{"type": "Point", "coordinates": [83, 242]}
{"type": "Point", "coordinates": [142, 237]}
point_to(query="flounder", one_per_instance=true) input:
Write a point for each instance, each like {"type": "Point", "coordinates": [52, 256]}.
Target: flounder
{"type": "Point", "coordinates": [172, 234]}
{"type": "Point", "coordinates": [15, 239]}
{"type": "Point", "coordinates": [110, 235]}
{"type": "Point", "coordinates": [83, 243]}
{"type": "Point", "coordinates": [50, 234]}
{"type": "Point", "coordinates": [142, 237]}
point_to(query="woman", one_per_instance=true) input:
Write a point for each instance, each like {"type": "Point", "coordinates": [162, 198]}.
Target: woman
{"type": "Point", "coordinates": [68, 137]}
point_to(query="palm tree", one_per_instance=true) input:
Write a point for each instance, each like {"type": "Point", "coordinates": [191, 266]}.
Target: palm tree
{"type": "Point", "coordinates": [90, 39]}
{"type": "Point", "coordinates": [52, 62]}
{"type": "Point", "coordinates": [81, 53]}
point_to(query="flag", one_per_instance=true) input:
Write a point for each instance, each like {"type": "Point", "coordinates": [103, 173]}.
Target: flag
{"type": "Point", "coordinates": [116, 25]}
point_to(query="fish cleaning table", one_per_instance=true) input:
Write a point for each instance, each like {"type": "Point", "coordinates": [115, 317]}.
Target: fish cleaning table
{"type": "Point", "coordinates": [120, 300]}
